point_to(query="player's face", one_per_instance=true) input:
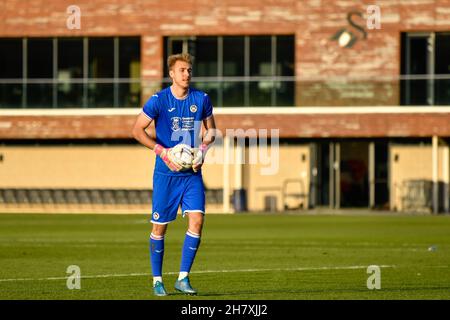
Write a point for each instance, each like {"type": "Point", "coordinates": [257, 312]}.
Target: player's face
{"type": "Point", "coordinates": [181, 74]}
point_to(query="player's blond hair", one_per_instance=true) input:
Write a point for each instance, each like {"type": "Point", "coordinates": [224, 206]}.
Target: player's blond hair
{"type": "Point", "coordinates": [186, 57]}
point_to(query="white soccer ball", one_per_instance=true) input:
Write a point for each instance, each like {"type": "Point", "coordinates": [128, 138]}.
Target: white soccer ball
{"type": "Point", "coordinates": [184, 155]}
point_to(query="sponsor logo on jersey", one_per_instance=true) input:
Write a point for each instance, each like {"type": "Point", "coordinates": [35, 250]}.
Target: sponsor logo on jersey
{"type": "Point", "coordinates": [187, 123]}
{"type": "Point", "coordinates": [182, 123]}
{"type": "Point", "coordinates": [176, 123]}
{"type": "Point", "coordinates": [171, 109]}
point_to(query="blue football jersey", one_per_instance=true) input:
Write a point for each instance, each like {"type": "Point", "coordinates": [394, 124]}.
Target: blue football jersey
{"type": "Point", "coordinates": [177, 121]}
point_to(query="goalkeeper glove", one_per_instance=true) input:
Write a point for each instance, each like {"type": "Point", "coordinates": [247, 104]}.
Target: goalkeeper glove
{"type": "Point", "coordinates": [199, 156]}
{"type": "Point", "coordinates": [167, 157]}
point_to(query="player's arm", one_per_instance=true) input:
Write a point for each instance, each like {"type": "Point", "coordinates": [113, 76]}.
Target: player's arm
{"type": "Point", "coordinates": [208, 139]}
{"type": "Point", "coordinates": [140, 131]}
{"type": "Point", "coordinates": [210, 133]}
{"type": "Point", "coordinates": [140, 134]}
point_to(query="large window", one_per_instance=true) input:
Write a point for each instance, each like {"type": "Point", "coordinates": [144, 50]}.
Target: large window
{"type": "Point", "coordinates": [70, 67]}
{"type": "Point", "coordinates": [233, 92]}
{"type": "Point", "coordinates": [11, 67]}
{"type": "Point", "coordinates": [425, 68]}
{"type": "Point", "coordinates": [70, 72]}
{"type": "Point", "coordinates": [101, 66]}
{"type": "Point", "coordinates": [240, 70]}
{"type": "Point", "coordinates": [442, 68]}
{"type": "Point", "coordinates": [39, 66]}
{"type": "Point", "coordinates": [129, 93]}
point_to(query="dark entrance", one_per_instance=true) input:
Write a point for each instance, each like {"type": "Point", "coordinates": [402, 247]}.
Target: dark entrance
{"type": "Point", "coordinates": [354, 174]}
{"type": "Point", "coordinates": [349, 173]}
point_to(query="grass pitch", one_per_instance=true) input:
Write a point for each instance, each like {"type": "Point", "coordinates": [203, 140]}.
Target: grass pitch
{"type": "Point", "coordinates": [245, 256]}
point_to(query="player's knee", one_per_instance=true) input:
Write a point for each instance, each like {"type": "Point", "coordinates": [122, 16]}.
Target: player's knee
{"type": "Point", "coordinates": [159, 229]}
{"type": "Point", "coordinates": [196, 223]}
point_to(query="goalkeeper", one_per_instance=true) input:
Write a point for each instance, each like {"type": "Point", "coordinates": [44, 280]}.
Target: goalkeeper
{"type": "Point", "coordinates": [178, 112]}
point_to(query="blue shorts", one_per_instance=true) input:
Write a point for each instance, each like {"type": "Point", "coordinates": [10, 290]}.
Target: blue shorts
{"type": "Point", "coordinates": [169, 192]}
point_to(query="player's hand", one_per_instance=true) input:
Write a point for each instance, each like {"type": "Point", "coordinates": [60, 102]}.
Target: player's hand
{"type": "Point", "coordinates": [166, 156]}
{"type": "Point", "coordinates": [199, 157]}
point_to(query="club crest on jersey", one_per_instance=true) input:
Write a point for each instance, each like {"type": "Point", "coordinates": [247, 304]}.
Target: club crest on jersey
{"type": "Point", "coordinates": [176, 123]}
{"type": "Point", "coordinates": [155, 215]}
{"type": "Point", "coordinates": [193, 108]}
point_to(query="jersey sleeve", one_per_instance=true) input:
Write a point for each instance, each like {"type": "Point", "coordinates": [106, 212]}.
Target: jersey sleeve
{"type": "Point", "coordinates": [207, 107]}
{"type": "Point", "coordinates": [150, 108]}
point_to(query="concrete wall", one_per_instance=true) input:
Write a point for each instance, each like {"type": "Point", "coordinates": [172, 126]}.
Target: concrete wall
{"type": "Point", "coordinates": [131, 167]}
{"type": "Point", "coordinates": [292, 177]}
{"type": "Point", "coordinates": [97, 167]}
{"type": "Point", "coordinates": [413, 162]}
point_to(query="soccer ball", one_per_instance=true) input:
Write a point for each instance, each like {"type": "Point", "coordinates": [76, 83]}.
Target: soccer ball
{"type": "Point", "coordinates": [184, 155]}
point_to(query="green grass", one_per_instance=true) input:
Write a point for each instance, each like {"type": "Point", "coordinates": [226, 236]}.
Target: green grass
{"type": "Point", "coordinates": [266, 256]}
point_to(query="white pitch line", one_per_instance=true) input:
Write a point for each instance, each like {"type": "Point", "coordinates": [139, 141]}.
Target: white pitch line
{"type": "Point", "coordinates": [199, 272]}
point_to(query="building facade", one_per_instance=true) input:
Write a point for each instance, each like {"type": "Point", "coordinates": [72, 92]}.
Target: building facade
{"type": "Point", "coordinates": [358, 91]}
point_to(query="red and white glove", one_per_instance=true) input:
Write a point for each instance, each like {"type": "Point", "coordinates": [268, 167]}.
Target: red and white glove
{"type": "Point", "coordinates": [199, 157]}
{"type": "Point", "coordinates": [166, 156]}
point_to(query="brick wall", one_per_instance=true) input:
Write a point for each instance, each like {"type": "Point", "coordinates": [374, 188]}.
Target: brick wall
{"type": "Point", "coordinates": [290, 126]}
{"type": "Point", "coordinates": [318, 59]}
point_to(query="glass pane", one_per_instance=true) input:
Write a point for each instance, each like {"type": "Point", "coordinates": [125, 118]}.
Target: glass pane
{"type": "Point", "coordinates": [418, 55]}
{"type": "Point", "coordinates": [233, 94]}
{"type": "Point", "coordinates": [129, 57]}
{"type": "Point", "coordinates": [442, 86]}
{"type": "Point", "coordinates": [40, 95]}
{"type": "Point", "coordinates": [417, 92]}
{"type": "Point", "coordinates": [205, 53]}
{"type": "Point", "coordinates": [177, 46]}
{"type": "Point", "coordinates": [70, 58]}
{"type": "Point", "coordinates": [415, 62]}
{"type": "Point", "coordinates": [70, 66]}
{"type": "Point", "coordinates": [70, 95]}
{"type": "Point", "coordinates": [354, 174]}
{"type": "Point", "coordinates": [381, 175]}
{"type": "Point", "coordinates": [101, 58]}
{"type": "Point", "coordinates": [285, 56]}
{"type": "Point", "coordinates": [171, 46]}
{"type": "Point", "coordinates": [261, 93]}
{"type": "Point", "coordinates": [442, 92]}
{"type": "Point", "coordinates": [129, 68]}
{"type": "Point", "coordinates": [260, 56]}
{"type": "Point", "coordinates": [10, 95]}
{"type": "Point", "coordinates": [40, 58]}
{"type": "Point", "coordinates": [211, 88]}
{"type": "Point", "coordinates": [233, 56]}
{"type": "Point", "coordinates": [100, 95]}
{"type": "Point", "coordinates": [11, 58]}
{"type": "Point", "coordinates": [129, 95]}
{"type": "Point", "coordinates": [11, 68]}
{"type": "Point", "coordinates": [101, 65]}
{"type": "Point", "coordinates": [284, 93]}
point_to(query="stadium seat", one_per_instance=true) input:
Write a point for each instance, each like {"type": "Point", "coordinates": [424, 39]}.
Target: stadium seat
{"type": "Point", "coordinates": [34, 196]}
{"type": "Point", "coordinates": [9, 196]}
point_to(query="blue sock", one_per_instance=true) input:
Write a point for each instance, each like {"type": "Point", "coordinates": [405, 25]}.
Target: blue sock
{"type": "Point", "coordinates": [190, 247]}
{"type": "Point", "coordinates": [156, 254]}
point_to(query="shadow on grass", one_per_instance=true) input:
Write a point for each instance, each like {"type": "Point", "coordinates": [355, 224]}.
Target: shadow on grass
{"type": "Point", "coordinates": [325, 291]}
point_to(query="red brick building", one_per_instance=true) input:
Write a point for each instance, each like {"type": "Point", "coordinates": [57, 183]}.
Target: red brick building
{"type": "Point", "coordinates": [325, 78]}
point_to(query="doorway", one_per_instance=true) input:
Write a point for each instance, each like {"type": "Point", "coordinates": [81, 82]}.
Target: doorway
{"type": "Point", "coordinates": [349, 174]}
{"type": "Point", "coordinates": [354, 173]}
